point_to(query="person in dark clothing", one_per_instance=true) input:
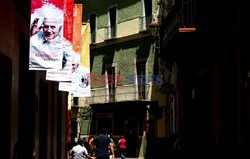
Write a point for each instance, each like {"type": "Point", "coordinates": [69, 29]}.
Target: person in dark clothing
{"type": "Point", "coordinates": [102, 144]}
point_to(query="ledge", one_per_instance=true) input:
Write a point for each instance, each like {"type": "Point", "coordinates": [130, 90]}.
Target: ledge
{"type": "Point", "coordinates": [192, 29]}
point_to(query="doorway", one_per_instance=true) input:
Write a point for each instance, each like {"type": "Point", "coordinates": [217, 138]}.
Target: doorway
{"type": "Point", "coordinates": [5, 94]}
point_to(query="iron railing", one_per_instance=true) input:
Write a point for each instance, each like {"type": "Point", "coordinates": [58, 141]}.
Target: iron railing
{"type": "Point", "coordinates": [93, 37]}
{"type": "Point", "coordinates": [144, 22]}
{"type": "Point", "coordinates": [111, 32]}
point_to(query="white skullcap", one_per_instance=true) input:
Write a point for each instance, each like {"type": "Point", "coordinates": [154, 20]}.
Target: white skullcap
{"type": "Point", "coordinates": [50, 12]}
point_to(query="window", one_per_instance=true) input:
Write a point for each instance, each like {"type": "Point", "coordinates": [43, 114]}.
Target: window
{"type": "Point", "coordinates": [92, 20]}
{"type": "Point", "coordinates": [75, 101]}
{"type": "Point", "coordinates": [112, 23]}
{"type": "Point", "coordinates": [148, 10]}
{"type": "Point", "coordinates": [188, 13]}
{"type": "Point", "coordinates": [141, 72]}
{"type": "Point", "coordinates": [105, 120]}
{"type": "Point", "coordinates": [146, 14]}
{"type": "Point", "coordinates": [169, 4]}
{"type": "Point", "coordinates": [111, 83]}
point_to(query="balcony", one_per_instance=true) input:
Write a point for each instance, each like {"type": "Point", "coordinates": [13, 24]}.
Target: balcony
{"type": "Point", "coordinates": [144, 23]}
{"type": "Point", "coordinates": [110, 32]}
{"type": "Point", "coordinates": [93, 38]}
{"type": "Point", "coordinates": [181, 18]}
{"type": "Point", "coordinates": [122, 93]}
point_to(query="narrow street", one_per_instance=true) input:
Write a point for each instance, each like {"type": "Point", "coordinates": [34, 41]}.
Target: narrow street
{"type": "Point", "coordinates": [171, 76]}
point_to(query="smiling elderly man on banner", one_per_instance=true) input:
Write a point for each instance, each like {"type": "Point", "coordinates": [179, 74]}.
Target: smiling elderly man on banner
{"type": "Point", "coordinates": [46, 38]}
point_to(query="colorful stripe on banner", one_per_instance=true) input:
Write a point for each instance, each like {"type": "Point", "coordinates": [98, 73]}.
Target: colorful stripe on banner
{"type": "Point", "coordinates": [77, 28]}
{"type": "Point", "coordinates": [36, 4]}
{"type": "Point", "coordinates": [68, 20]}
{"type": "Point", "coordinates": [85, 56]}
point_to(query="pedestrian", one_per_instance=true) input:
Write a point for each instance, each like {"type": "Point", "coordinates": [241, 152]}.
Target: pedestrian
{"type": "Point", "coordinates": [79, 151]}
{"type": "Point", "coordinates": [102, 143]}
{"type": "Point", "coordinates": [112, 145]}
{"type": "Point", "coordinates": [91, 146]}
{"type": "Point", "coordinates": [122, 146]}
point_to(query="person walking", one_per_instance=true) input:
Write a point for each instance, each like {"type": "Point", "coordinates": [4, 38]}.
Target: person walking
{"type": "Point", "coordinates": [79, 151]}
{"type": "Point", "coordinates": [91, 146]}
{"type": "Point", "coordinates": [102, 143]}
{"type": "Point", "coordinates": [113, 145]}
{"type": "Point", "coordinates": [122, 146]}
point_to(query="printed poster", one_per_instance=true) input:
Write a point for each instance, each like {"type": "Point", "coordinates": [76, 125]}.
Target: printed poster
{"type": "Point", "coordinates": [76, 44]}
{"type": "Point", "coordinates": [46, 35]}
{"type": "Point", "coordinates": [83, 88]}
{"type": "Point", "coordinates": [70, 86]}
{"type": "Point", "coordinates": [64, 74]}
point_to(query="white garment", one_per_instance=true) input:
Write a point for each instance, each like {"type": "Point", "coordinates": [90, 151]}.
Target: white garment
{"type": "Point", "coordinates": [79, 152]}
{"type": "Point", "coordinates": [64, 74]}
{"type": "Point", "coordinates": [44, 54]}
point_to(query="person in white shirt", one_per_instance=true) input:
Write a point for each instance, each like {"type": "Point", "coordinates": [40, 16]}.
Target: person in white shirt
{"type": "Point", "coordinates": [79, 151]}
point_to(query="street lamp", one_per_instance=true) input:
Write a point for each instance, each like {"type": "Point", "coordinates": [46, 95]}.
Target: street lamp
{"type": "Point", "coordinates": [154, 28]}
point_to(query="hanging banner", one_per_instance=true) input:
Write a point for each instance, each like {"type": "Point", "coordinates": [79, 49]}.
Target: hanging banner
{"type": "Point", "coordinates": [83, 86]}
{"type": "Point", "coordinates": [64, 74]}
{"type": "Point", "coordinates": [76, 42]}
{"type": "Point", "coordinates": [36, 4]}
{"type": "Point", "coordinates": [46, 35]}
{"type": "Point", "coordinates": [68, 20]}
{"type": "Point", "coordinates": [70, 86]}
{"type": "Point", "coordinates": [77, 23]}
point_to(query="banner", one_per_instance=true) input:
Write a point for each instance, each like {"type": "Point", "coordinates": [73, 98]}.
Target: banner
{"type": "Point", "coordinates": [76, 42]}
{"type": "Point", "coordinates": [36, 4]}
{"type": "Point", "coordinates": [46, 35]}
{"type": "Point", "coordinates": [64, 74]}
{"type": "Point", "coordinates": [77, 46]}
{"type": "Point", "coordinates": [83, 88]}
{"type": "Point", "coordinates": [68, 20]}
{"type": "Point", "coordinates": [70, 86]}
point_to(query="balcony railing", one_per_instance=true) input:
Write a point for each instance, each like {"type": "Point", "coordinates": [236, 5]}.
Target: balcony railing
{"type": "Point", "coordinates": [93, 37]}
{"type": "Point", "coordinates": [111, 32]}
{"type": "Point", "coordinates": [144, 22]}
{"type": "Point", "coordinates": [182, 17]}
{"type": "Point", "coordinates": [122, 93]}
{"type": "Point", "coordinates": [188, 13]}
{"type": "Point", "coordinates": [112, 96]}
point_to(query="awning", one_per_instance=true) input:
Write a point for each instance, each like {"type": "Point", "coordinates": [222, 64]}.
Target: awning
{"type": "Point", "coordinates": [120, 106]}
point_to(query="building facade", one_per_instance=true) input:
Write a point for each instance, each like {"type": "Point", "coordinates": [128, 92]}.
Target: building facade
{"type": "Point", "coordinates": [34, 112]}
{"type": "Point", "coordinates": [204, 43]}
{"type": "Point", "coordinates": [126, 73]}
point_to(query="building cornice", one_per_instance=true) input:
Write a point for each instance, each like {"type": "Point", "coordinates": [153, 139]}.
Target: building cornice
{"type": "Point", "coordinates": [108, 42]}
